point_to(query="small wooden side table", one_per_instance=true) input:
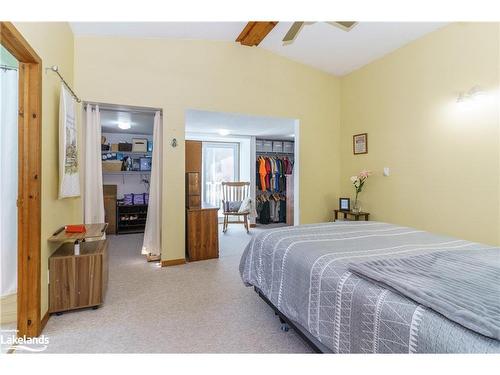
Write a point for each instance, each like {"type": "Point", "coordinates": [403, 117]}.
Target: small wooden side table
{"type": "Point", "coordinates": [355, 215]}
{"type": "Point", "coordinates": [78, 269]}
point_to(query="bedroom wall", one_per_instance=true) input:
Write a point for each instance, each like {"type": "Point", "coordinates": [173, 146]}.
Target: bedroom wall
{"type": "Point", "coordinates": [53, 42]}
{"type": "Point", "coordinates": [177, 75]}
{"type": "Point", "coordinates": [443, 157]}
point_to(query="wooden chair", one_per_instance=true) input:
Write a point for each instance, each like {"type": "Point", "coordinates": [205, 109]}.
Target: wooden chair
{"type": "Point", "coordinates": [233, 192]}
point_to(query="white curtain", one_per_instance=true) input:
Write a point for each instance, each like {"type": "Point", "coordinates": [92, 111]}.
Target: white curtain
{"type": "Point", "coordinates": [93, 196]}
{"type": "Point", "coordinates": [8, 188]}
{"type": "Point", "coordinates": [152, 232]}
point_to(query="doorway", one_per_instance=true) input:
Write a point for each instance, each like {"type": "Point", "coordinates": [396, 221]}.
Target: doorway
{"type": "Point", "coordinates": [220, 162]}
{"type": "Point", "coordinates": [29, 322]}
{"type": "Point", "coordinates": [242, 141]}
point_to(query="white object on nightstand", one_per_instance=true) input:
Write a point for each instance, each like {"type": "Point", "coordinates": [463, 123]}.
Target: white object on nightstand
{"type": "Point", "coordinates": [387, 172]}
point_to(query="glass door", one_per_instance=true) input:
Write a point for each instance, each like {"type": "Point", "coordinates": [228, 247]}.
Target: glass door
{"type": "Point", "coordinates": [220, 163]}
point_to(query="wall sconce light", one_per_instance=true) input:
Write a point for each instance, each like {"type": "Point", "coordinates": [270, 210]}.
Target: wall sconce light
{"type": "Point", "coordinates": [469, 95]}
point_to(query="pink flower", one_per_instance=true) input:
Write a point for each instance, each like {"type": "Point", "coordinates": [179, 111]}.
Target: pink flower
{"type": "Point", "coordinates": [364, 174]}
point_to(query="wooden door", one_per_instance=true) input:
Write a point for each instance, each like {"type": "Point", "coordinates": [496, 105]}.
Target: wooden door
{"type": "Point", "coordinates": [62, 284]}
{"type": "Point", "coordinates": [88, 280]}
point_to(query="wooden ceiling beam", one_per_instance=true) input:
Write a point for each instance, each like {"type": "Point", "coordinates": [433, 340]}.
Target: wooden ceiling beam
{"type": "Point", "coordinates": [254, 32]}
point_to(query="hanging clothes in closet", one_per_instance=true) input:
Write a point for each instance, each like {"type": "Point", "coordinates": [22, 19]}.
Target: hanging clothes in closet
{"type": "Point", "coordinates": [271, 174]}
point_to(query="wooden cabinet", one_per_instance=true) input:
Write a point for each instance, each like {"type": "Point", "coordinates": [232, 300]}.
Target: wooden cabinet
{"type": "Point", "coordinates": [202, 233]}
{"type": "Point", "coordinates": [193, 156]}
{"type": "Point", "coordinates": [110, 208]}
{"type": "Point", "coordinates": [193, 190]}
{"type": "Point", "coordinates": [78, 281]}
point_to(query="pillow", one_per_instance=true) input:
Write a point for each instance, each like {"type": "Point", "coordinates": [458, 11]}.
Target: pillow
{"type": "Point", "coordinates": [245, 206]}
{"type": "Point", "coordinates": [232, 206]}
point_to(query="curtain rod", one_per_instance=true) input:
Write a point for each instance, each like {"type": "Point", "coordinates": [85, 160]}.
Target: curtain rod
{"type": "Point", "coordinates": [55, 69]}
{"type": "Point", "coordinates": [123, 108]}
{"type": "Point", "coordinates": [6, 67]}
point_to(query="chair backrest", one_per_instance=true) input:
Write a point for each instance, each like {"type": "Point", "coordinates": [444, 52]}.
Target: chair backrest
{"type": "Point", "coordinates": [235, 191]}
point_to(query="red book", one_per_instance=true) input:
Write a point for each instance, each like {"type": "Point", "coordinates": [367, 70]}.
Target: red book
{"type": "Point", "coordinates": [79, 228]}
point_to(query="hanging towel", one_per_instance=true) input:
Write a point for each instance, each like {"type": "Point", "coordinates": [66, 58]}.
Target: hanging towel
{"type": "Point", "coordinates": [69, 176]}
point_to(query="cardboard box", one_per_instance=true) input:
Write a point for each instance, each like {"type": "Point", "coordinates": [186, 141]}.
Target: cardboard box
{"type": "Point", "coordinates": [112, 166]}
{"type": "Point", "coordinates": [139, 145]}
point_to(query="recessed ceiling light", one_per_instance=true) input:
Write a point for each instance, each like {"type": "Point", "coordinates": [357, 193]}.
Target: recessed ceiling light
{"type": "Point", "coordinates": [124, 125]}
{"type": "Point", "coordinates": [223, 131]}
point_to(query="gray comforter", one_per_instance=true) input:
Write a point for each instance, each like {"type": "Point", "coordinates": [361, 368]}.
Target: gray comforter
{"type": "Point", "coordinates": [462, 285]}
{"type": "Point", "coordinates": [304, 271]}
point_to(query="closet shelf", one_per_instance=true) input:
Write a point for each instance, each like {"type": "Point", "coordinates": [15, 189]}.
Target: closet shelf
{"type": "Point", "coordinates": [128, 152]}
{"type": "Point", "coordinates": [273, 153]}
{"type": "Point", "coordinates": [126, 172]}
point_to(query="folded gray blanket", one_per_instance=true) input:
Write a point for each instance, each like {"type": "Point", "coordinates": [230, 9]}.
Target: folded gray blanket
{"type": "Point", "coordinates": [462, 285]}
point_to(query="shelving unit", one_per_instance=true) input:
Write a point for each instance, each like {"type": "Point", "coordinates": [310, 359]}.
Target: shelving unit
{"type": "Point", "coordinates": [147, 153]}
{"type": "Point", "coordinates": [136, 225]}
{"type": "Point", "coordinates": [126, 172]}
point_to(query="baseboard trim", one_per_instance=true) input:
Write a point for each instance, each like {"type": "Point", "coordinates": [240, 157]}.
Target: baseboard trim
{"type": "Point", "coordinates": [44, 321]}
{"type": "Point", "coordinates": [173, 262]}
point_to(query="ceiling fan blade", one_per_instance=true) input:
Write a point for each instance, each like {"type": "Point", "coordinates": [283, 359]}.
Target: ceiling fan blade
{"type": "Point", "coordinates": [292, 32]}
{"type": "Point", "coordinates": [344, 25]}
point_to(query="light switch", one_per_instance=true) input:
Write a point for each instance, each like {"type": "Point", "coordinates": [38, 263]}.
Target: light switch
{"type": "Point", "coordinates": [387, 172]}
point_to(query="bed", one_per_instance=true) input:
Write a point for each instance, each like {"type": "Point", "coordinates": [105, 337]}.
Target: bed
{"type": "Point", "coordinates": [372, 287]}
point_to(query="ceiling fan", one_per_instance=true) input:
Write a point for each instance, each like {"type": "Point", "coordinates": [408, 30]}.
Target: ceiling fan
{"type": "Point", "coordinates": [255, 31]}
{"type": "Point", "coordinates": [297, 26]}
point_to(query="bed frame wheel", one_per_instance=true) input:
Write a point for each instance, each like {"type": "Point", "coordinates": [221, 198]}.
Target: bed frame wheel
{"type": "Point", "coordinates": [284, 327]}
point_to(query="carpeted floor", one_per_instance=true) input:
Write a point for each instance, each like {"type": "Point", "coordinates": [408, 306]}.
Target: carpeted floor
{"type": "Point", "coordinates": [200, 307]}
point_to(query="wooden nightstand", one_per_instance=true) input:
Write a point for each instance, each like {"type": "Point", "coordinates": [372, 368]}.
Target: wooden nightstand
{"type": "Point", "coordinates": [349, 215]}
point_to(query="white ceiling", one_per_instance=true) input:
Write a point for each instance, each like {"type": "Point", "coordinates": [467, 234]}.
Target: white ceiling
{"type": "Point", "coordinates": [319, 45]}
{"type": "Point", "coordinates": [235, 124]}
{"type": "Point", "coordinates": [140, 122]}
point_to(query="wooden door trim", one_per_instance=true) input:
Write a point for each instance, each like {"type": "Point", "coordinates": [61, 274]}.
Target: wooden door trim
{"type": "Point", "coordinates": [29, 322]}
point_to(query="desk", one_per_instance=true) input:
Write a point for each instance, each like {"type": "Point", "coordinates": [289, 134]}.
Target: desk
{"type": "Point", "coordinates": [355, 215]}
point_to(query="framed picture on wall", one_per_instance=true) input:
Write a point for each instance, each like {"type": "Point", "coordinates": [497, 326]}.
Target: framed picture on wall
{"type": "Point", "coordinates": [344, 204]}
{"type": "Point", "coordinates": [360, 143]}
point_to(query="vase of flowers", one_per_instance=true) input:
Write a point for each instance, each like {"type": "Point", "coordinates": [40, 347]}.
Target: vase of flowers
{"type": "Point", "coordinates": [358, 182]}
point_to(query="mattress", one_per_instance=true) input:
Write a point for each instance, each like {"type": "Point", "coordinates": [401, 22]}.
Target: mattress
{"type": "Point", "coordinates": [304, 272]}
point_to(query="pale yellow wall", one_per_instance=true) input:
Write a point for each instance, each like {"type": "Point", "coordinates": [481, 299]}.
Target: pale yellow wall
{"type": "Point", "coordinates": [444, 161]}
{"type": "Point", "coordinates": [179, 75]}
{"type": "Point", "coordinates": [54, 43]}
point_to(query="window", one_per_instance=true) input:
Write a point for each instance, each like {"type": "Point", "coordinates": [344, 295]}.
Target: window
{"type": "Point", "coordinates": [220, 163]}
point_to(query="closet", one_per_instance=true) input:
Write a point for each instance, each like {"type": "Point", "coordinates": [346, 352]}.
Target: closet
{"type": "Point", "coordinates": [274, 181]}
{"type": "Point", "coordinates": [126, 153]}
